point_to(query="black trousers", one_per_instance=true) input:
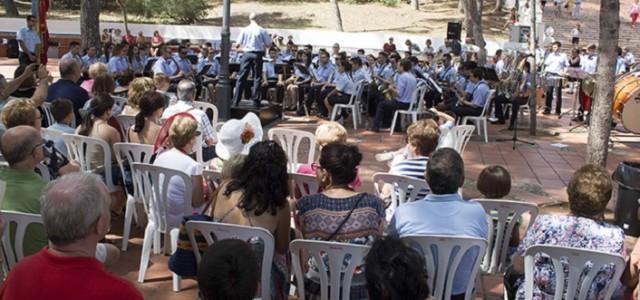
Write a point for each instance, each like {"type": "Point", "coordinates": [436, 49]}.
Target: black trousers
{"type": "Point", "coordinates": [558, 91]}
{"type": "Point", "coordinates": [322, 94]}
{"type": "Point", "coordinates": [432, 98]}
{"type": "Point", "coordinates": [251, 62]}
{"type": "Point", "coordinates": [337, 98]}
{"type": "Point", "coordinates": [516, 102]}
{"type": "Point", "coordinates": [385, 111]}
{"type": "Point", "coordinates": [462, 111]}
{"type": "Point", "coordinates": [279, 90]}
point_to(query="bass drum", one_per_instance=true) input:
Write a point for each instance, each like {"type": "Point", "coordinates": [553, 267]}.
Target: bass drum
{"type": "Point", "coordinates": [626, 101]}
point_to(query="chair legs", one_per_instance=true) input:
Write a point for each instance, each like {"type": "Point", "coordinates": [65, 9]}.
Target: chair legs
{"type": "Point", "coordinates": [334, 111]}
{"type": "Point", "coordinates": [128, 215]}
{"type": "Point", "coordinates": [393, 122]}
{"type": "Point", "coordinates": [174, 245]}
{"type": "Point", "coordinates": [484, 127]}
{"type": "Point", "coordinates": [149, 234]}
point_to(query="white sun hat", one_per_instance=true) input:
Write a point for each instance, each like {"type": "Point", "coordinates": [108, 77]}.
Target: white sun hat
{"type": "Point", "coordinates": [237, 136]}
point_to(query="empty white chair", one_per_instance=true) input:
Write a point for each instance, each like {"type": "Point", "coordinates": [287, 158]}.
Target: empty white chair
{"type": "Point", "coordinates": [481, 121]}
{"type": "Point", "coordinates": [218, 231]}
{"type": "Point", "coordinates": [152, 183]}
{"type": "Point", "coordinates": [206, 106]}
{"type": "Point", "coordinates": [13, 249]}
{"type": "Point", "coordinates": [305, 184]}
{"type": "Point", "coordinates": [212, 177]}
{"type": "Point", "coordinates": [331, 276]}
{"type": "Point", "coordinates": [353, 105]}
{"type": "Point", "coordinates": [578, 286]}
{"type": "Point", "coordinates": [402, 189]}
{"type": "Point", "coordinates": [83, 148]}
{"type": "Point", "coordinates": [416, 107]}
{"type": "Point", "coordinates": [130, 153]}
{"type": "Point", "coordinates": [443, 255]}
{"type": "Point", "coordinates": [460, 136]}
{"type": "Point", "coordinates": [126, 122]}
{"type": "Point", "coordinates": [507, 213]}
{"type": "Point", "coordinates": [291, 141]}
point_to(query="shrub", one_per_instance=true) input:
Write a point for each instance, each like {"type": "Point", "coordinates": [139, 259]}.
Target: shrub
{"type": "Point", "coordinates": [180, 11]}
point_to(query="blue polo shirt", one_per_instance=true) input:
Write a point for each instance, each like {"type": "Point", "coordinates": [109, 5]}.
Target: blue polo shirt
{"type": "Point", "coordinates": [405, 86]}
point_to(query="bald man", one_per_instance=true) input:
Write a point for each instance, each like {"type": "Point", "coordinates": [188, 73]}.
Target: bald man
{"type": "Point", "coordinates": [67, 86]}
{"type": "Point", "coordinates": [22, 148]}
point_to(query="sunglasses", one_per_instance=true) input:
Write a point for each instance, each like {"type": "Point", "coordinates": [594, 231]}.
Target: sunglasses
{"type": "Point", "coordinates": [315, 166]}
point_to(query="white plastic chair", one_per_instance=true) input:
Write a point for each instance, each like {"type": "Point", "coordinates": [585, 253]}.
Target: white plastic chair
{"type": "Point", "coordinates": [415, 108]}
{"type": "Point", "coordinates": [13, 249]}
{"type": "Point", "coordinates": [578, 286]}
{"type": "Point", "coordinates": [46, 107]}
{"type": "Point", "coordinates": [495, 259]}
{"type": "Point", "coordinates": [212, 176]}
{"type": "Point", "coordinates": [205, 106]}
{"type": "Point", "coordinates": [152, 183]}
{"type": "Point", "coordinates": [44, 172]}
{"type": "Point", "coordinates": [443, 263]}
{"type": "Point", "coordinates": [82, 148]}
{"type": "Point", "coordinates": [126, 122]}
{"type": "Point", "coordinates": [403, 189]}
{"type": "Point", "coordinates": [353, 105]}
{"type": "Point", "coordinates": [461, 136]}
{"type": "Point", "coordinates": [481, 121]}
{"type": "Point", "coordinates": [291, 140]}
{"type": "Point", "coordinates": [218, 231]}
{"type": "Point", "coordinates": [306, 184]}
{"type": "Point", "coordinates": [50, 133]}
{"type": "Point", "coordinates": [129, 152]}
{"type": "Point", "coordinates": [336, 275]}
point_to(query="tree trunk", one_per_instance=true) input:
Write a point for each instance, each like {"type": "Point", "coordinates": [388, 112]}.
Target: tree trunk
{"type": "Point", "coordinates": [336, 12]}
{"type": "Point", "coordinates": [499, 4]}
{"type": "Point", "coordinates": [597, 144]}
{"type": "Point", "coordinates": [123, 8]}
{"type": "Point", "coordinates": [90, 23]}
{"type": "Point", "coordinates": [474, 27]}
{"type": "Point", "coordinates": [415, 4]}
{"type": "Point", "coordinates": [10, 6]}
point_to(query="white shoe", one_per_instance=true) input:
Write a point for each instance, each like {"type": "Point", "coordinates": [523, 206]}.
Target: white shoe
{"type": "Point", "coordinates": [384, 156]}
{"type": "Point", "coordinates": [493, 119]}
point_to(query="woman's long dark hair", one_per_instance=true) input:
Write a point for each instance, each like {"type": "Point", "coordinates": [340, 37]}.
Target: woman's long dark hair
{"type": "Point", "coordinates": [100, 104]}
{"type": "Point", "coordinates": [150, 102]}
{"type": "Point", "coordinates": [263, 179]}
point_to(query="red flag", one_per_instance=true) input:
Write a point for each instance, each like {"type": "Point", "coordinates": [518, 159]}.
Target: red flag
{"type": "Point", "coordinates": [43, 8]}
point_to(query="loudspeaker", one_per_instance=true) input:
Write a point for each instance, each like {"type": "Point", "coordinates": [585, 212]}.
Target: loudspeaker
{"type": "Point", "coordinates": [454, 30]}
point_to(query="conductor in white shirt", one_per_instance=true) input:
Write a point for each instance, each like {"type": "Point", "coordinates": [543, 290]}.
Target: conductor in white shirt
{"type": "Point", "coordinates": [252, 43]}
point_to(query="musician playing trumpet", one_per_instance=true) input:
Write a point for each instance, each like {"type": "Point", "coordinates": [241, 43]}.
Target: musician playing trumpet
{"type": "Point", "coordinates": [471, 104]}
{"type": "Point", "coordinates": [404, 86]}
{"type": "Point", "coordinates": [518, 97]}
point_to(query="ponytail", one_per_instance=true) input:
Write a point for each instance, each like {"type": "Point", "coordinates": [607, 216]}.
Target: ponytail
{"type": "Point", "coordinates": [139, 124]}
{"type": "Point", "coordinates": [100, 104]}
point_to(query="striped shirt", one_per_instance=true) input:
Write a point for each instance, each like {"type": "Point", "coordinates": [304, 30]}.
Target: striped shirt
{"type": "Point", "coordinates": [412, 167]}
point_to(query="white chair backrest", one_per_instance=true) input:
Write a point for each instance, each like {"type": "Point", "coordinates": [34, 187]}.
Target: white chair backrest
{"type": "Point", "coordinates": [46, 107]}
{"type": "Point", "coordinates": [334, 254]}
{"type": "Point", "coordinates": [212, 177]}
{"type": "Point", "coordinates": [13, 249]}
{"type": "Point", "coordinates": [355, 98]}
{"type": "Point", "coordinates": [206, 106]}
{"type": "Point", "coordinates": [218, 231]}
{"type": "Point", "coordinates": [44, 172]}
{"type": "Point", "coordinates": [132, 153]}
{"type": "Point", "coordinates": [507, 214]}
{"type": "Point", "coordinates": [126, 122]}
{"type": "Point", "coordinates": [50, 133]}
{"type": "Point", "coordinates": [304, 183]}
{"type": "Point", "coordinates": [404, 188]}
{"type": "Point", "coordinates": [487, 104]}
{"type": "Point", "coordinates": [152, 184]}
{"type": "Point", "coordinates": [461, 135]}
{"type": "Point", "coordinates": [120, 102]}
{"type": "Point", "coordinates": [578, 285]}
{"type": "Point", "coordinates": [417, 99]}
{"type": "Point", "coordinates": [82, 149]}
{"type": "Point", "coordinates": [291, 141]}
{"type": "Point", "coordinates": [443, 255]}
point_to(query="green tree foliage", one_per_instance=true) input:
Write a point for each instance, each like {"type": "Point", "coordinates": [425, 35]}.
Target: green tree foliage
{"type": "Point", "coordinates": [181, 11]}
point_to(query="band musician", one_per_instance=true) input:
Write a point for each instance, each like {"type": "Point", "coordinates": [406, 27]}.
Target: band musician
{"type": "Point", "coordinates": [401, 92]}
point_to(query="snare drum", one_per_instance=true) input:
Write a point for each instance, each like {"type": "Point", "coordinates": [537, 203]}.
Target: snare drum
{"type": "Point", "coordinates": [626, 102]}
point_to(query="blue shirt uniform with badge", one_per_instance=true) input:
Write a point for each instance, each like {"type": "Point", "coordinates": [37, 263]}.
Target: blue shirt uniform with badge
{"type": "Point", "coordinates": [118, 64]}
{"type": "Point", "coordinates": [325, 72]}
{"type": "Point", "coordinates": [88, 60]}
{"type": "Point", "coordinates": [344, 83]}
{"type": "Point", "coordinates": [165, 66]}
{"type": "Point", "coordinates": [213, 70]}
{"type": "Point", "coordinates": [406, 84]}
{"type": "Point", "coordinates": [480, 93]}
{"type": "Point", "coordinates": [183, 63]}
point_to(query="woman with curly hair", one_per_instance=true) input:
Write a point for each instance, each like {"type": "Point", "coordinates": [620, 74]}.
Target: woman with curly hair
{"type": "Point", "coordinates": [137, 87]}
{"type": "Point", "coordinates": [258, 198]}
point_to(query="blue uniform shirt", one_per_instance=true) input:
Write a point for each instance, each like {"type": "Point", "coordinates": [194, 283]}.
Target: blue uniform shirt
{"type": "Point", "coordinates": [405, 86]}
{"type": "Point", "coordinates": [254, 38]}
{"type": "Point", "coordinates": [324, 72]}
{"type": "Point", "coordinates": [480, 94]}
{"type": "Point", "coordinates": [165, 66]}
{"type": "Point", "coordinates": [118, 64]}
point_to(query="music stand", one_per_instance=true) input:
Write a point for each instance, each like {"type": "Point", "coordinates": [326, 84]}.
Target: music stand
{"type": "Point", "coordinates": [204, 71]}
{"type": "Point", "coordinates": [515, 138]}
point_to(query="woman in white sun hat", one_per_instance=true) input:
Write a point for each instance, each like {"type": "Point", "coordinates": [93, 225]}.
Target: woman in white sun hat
{"type": "Point", "coordinates": [237, 137]}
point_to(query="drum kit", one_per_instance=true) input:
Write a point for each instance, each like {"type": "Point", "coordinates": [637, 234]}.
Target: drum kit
{"type": "Point", "coordinates": [626, 101]}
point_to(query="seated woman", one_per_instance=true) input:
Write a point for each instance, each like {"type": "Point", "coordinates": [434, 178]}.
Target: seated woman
{"type": "Point", "coordinates": [298, 82]}
{"type": "Point", "coordinates": [589, 191]}
{"type": "Point", "coordinates": [344, 88]}
{"type": "Point", "coordinates": [103, 84]}
{"type": "Point", "coordinates": [147, 124]}
{"type": "Point", "coordinates": [258, 197]}
{"type": "Point", "coordinates": [137, 87]}
{"type": "Point", "coordinates": [339, 213]}
{"type": "Point", "coordinates": [94, 70]}
{"type": "Point", "coordinates": [183, 132]}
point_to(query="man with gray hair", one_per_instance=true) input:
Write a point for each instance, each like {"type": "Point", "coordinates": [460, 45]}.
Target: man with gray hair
{"type": "Point", "coordinates": [67, 87]}
{"type": "Point", "coordinates": [252, 43]}
{"type": "Point", "coordinates": [76, 215]}
{"type": "Point", "coordinates": [186, 96]}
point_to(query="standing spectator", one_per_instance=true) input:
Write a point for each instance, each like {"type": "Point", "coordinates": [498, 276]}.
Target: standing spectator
{"type": "Point", "coordinates": [129, 38]}
{"type": "Point", "coordinates": [575, 35]}
{"type": "Point", "coordinates": [156, 42]}
{"type": "Point", "coordinates": [75, 213]}
{"type": "Point", "coordinates": [105, 38]}
{"type": "Point", "coordinates": [629, 59]}
{"type": "Point", "coordinates": [555, 64]}
{"type": "Point", "coordinates": [412, 47]}
{"type": "Point", "coordinates": [389, 47]}
{"type": "Point", "coordinates": [28, 39]}
{"type": "Point", "coordinates": [444, 212]}
{"type": "Point", "coordinates": [141, 40]}
{"type": "Point", "coordinates": [66, 87]}
{"type": "Point", "coordinates": [116, 36]}
{"type": "Point", "coordinates": [252, 42]}
{"type": "Point", "coordinates": [428, 48]}
{"type": "Point", "coordinates": [576, 9]}
{"type": "Point", "coordinates": [634, 11]}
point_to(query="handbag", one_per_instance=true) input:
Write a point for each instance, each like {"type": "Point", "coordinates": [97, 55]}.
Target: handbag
{"type": "Point", "coordinates": [183, 260]}
{"type": "Point", "coordinates": [345, 219]}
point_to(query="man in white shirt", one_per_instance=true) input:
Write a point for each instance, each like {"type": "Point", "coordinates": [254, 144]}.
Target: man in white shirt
{"type": "Point", "coordinates": [555, 64]}
{"type": "Point", "coordinates": [589, 62]}
{"type": "Point", "coordinates": [186, 96]}
{"type": "Point", "coordinates": [252, 42]}
{"type": "Point", "coordinates": [28, 40]}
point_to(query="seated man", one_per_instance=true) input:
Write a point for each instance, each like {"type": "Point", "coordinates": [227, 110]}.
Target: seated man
{"type": "Point", "coordinates": [323, 80]}
{"type": "Point", "coordinates": [66, 87]}
{"type": "Point", "coordinates": [474, 102]}
{"type": "Point", "coordinates": [75, 212]}
{"type": "Point", "coordinates": [270, 77]}
{"type": "Point", "coordinates": [167, 66]}
{"type": "Point", "coordinates": [404, 86]}
{"type": "Point", "coordinates": [444, 212]}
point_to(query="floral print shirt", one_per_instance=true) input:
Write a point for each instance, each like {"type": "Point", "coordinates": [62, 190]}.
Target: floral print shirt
{"type": "Point", "coordinates": [569, 231]}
